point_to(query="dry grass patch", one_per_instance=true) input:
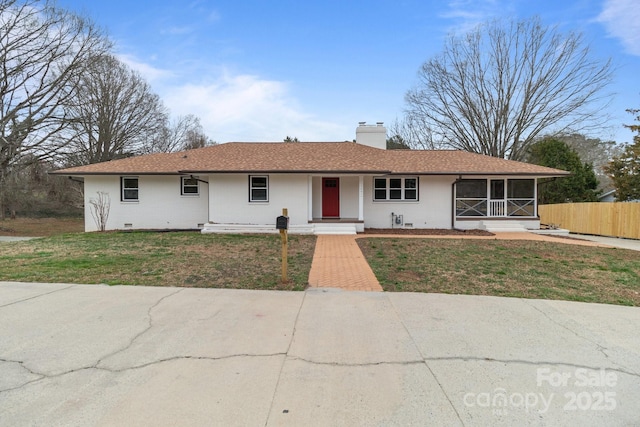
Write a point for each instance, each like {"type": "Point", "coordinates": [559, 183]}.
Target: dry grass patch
{"type": "Point", "coordinates": [159, 259]}
{"type": "Point", "coordinates": [526, 269]}
{"type": "Point", "coordinates": [40, 227]}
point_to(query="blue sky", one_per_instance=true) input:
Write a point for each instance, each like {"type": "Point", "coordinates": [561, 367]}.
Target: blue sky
{"type": "Point", "coordinates": [256, 70]}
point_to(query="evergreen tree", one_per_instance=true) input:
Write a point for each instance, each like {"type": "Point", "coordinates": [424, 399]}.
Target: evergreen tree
{"type": "Point", "coordinates": [580, 186]}
{"type": "Point", "coordinates": [396, 142]}
{"type": "Point", "coordinates": [624, 169]}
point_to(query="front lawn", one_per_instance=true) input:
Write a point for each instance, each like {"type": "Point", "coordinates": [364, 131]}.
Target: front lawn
{"type": "Point", "coordinates": [159, 259]}
{"type": "Point", "coordinates": [512, 268]}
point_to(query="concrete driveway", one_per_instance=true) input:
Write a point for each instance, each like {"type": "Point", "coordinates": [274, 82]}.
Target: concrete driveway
{"type": "Point", "coordinates": [79, 355]}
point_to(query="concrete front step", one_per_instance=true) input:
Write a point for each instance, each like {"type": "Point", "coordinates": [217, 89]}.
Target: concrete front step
{"type": "Point", "coordinates": [498, 226]}
{"type": "Point", "coordinates": [334, 228]}
{"type": "Point", "coordinates": [317, 228]}
{"type": "Point", "coordinates": [252, 229]}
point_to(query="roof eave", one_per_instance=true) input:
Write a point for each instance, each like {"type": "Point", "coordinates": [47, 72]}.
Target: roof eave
{"type": "Point", "coordinates": [121, 173]}
{"type": "Point", "coordinates": [475, 173]}
{"type": "Point", "coordinates": [285, 171]}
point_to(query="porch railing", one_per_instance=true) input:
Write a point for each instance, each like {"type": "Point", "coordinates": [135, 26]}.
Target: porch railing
{"type": "Point", "coordinates": [495, 208]}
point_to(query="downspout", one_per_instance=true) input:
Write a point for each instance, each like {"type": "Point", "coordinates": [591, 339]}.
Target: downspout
{"type": "Point", "coordinates": [453, 201]}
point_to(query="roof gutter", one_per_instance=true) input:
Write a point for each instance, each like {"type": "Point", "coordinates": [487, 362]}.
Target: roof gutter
{"type": "Point", "coordinates": [62, 173]}
{"type": "Point", "coordinates": [473, 173]}
{"type": "Point", "coordinates": [352, 172]}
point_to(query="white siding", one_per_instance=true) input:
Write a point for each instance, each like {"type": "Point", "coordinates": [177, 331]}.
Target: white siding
{"type": "Point", "coordinates": [317, 197]}
{"type": "Point", "coordinates": [225, 200]}
{"type": "Point", "coordinates": [229, 199]}
{"type": "Point", "coordinates": [349, 197]}
{"type": "Point", "coordinates": [432, 210]}
{"type": "Point", "coordinates": [475, 223]}
{"type": "Point", "coordinates": [160, 205]}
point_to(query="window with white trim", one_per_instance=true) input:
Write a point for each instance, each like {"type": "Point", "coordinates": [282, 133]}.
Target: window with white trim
{"type": "Point", "coordinates": [189, 186]}
{"type": "Point", "coordinates": [129, 189]}
{"type": "Point", "coordinates": [391, 189]}
{"type": "Point", "coordinates": [258, 188]}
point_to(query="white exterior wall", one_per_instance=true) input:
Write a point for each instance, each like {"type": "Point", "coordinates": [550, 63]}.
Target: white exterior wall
{"type": "Point", "coordinates": [225, 200]}
{"type": "Point", "coordinates": [349, 197]}
{"type": "Point", "coordinates": [478, 222]}
{"type": "Point", "coordinates": [229, 199]}
{"type": "Point", "coordinates": [317, 196]}
{"type": "Point", "coordinates": [160, 204]}
{"type": "Point", "coordinates": [432, 210]}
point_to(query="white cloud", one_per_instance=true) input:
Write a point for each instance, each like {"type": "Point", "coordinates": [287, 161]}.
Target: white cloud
{"type": "Point", "coordinates": [149, 72]}
{"type": "Point", "coordinates": [177, 30]}
{"type": "Point", "coordinates": [238, 107]}
{"type": "Point", "coordinates": [621, 18]}
{"type": "Point", "coordinates": [248, 108]}
{"type": "Point", "coordinates": [467, 14]}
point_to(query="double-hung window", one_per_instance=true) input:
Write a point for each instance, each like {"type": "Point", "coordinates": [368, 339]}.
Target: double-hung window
{"type": "Point", "coordinates": [189, 186]}
{"type": "Point", "coordinates": [390, 189]}
{"type": "Point", "coordinates": [258, 188]}
{"type": "Point", "coordinates": [129, 189]}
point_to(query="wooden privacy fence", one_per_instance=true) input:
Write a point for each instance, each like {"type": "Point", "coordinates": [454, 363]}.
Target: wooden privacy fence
{"type": "Point", "coordinates": [615, 219]}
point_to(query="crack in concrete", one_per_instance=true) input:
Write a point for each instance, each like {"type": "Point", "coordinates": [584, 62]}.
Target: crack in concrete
{"type": "Point", "coordinates": [433, 374]}
{"type": "Point", "coordinates": [95, 365]}
{"type": "Point", "coordinates": [602, 349]}
{"type": "Point", "coordinates": [139, 334]}
{"type": "Point", "coordinates": [173, 358]}
{"type": "Point", "coordinates": [287, 357]}
{"type": "Point", "coordinates": [131, 368]}
{"type": "Point", "coordinates": [358, 364]}
{"type": "Point", "coordinates": [36, 296]}
{"type": "Point", "coordinates": [528, 362]}
{"type": "Point", "coordinates": [26, 368]}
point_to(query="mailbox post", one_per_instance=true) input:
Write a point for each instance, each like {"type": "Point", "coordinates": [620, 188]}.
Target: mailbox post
{"type": "Point", "coordinates": [282, 224]}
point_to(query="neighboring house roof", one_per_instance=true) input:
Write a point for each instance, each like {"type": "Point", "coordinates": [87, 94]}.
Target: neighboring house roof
{"type": "Point", "coordinates": [312, 157]}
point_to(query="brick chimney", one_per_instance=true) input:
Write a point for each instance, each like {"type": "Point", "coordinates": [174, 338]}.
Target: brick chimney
{"type": "Point", "coordinates": [372, 135]}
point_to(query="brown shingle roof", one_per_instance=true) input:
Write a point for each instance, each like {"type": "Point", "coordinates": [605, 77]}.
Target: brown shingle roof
{"type": "Point", "coordinates": [307, 157]}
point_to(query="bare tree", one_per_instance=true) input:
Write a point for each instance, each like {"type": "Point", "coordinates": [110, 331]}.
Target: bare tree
{"type": "Point", "coordinates": [197, 139]}
{"type": "Point", "coordinates": [413, 132]}
{"type": "Point", "coordinates": [595, 152]}
{"type": "Point", "coordinates": [184, 133]}
{"type": "Point", "coordinates": [493, 90]}
{"type": "Point", "coordinates": [43, 49]}
{"type": "Point", "coordinates": [113, 113]}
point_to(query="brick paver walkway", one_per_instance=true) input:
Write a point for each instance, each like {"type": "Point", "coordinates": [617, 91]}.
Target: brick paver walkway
{"type": "Point", "coordinates": [338, 263]}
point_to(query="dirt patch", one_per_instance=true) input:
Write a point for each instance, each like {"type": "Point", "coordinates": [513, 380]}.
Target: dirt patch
{"type": "Point", "coordinates": [427, 232]}
{"type": "Point", "coordinates": [40, 227]}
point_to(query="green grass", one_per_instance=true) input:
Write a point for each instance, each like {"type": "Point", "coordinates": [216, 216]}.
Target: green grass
{"type": "Point", "coordinates": [525, 269]}
{"type": "Point", "coordinates": [159, 259]}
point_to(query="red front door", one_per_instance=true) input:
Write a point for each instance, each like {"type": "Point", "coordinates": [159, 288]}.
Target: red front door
{"type": "Point", "coordinates": [330, 197]}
